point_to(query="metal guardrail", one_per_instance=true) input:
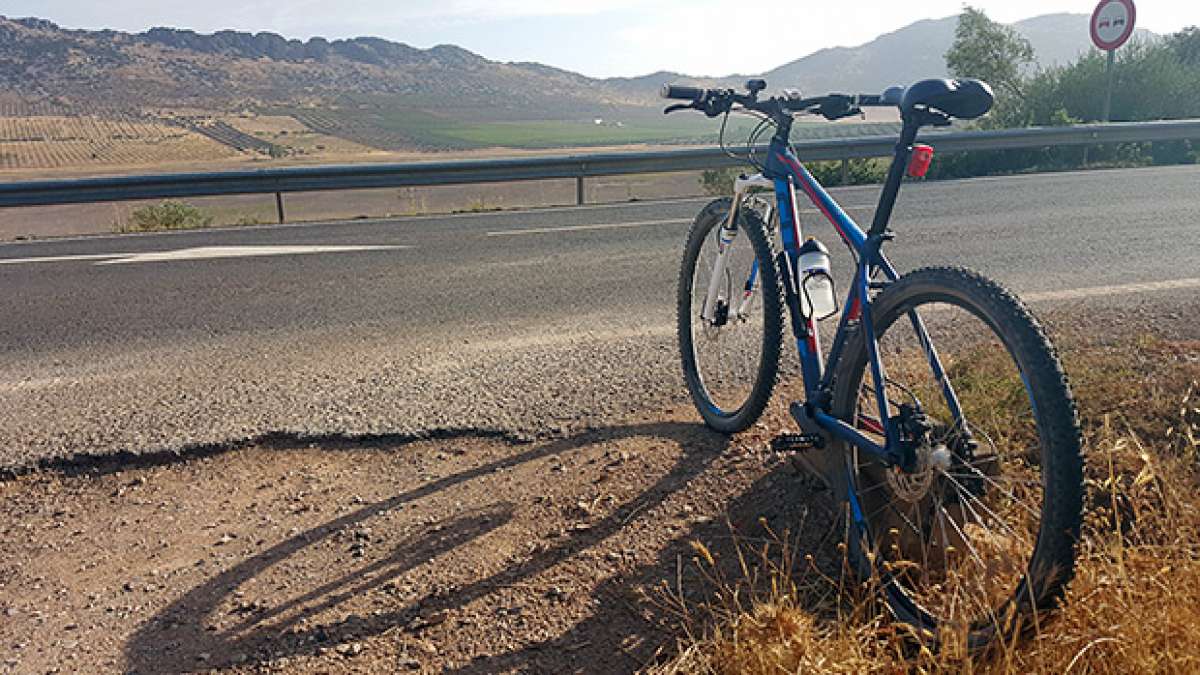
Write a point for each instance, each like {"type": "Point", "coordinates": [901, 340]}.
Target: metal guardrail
{"type": "Point", "coordinates": [364, 176]}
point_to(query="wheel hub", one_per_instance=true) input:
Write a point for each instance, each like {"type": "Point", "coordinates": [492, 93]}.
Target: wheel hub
{"type": "Point", "coordinates": [912, 486]}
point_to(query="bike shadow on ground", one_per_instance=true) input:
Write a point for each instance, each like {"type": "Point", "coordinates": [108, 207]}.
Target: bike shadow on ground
{"type": "Point", "coordinates": [189, 633]}
{"type": "Point", "coordinates": [685, 595]}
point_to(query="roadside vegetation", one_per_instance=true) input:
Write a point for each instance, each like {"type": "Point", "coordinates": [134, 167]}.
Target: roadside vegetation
{"type": "Point", "coordinates": [719, 182]}
{"type": "Point", "coordinates": [1134, 605]}
{"type": "Point", "coordinates": [1153, 80]}
{"type": "Point", "coordinates": [169, 215]}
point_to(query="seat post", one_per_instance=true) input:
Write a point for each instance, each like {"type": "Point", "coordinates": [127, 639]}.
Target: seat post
{"type": "Point", "coordinates": [895, 176]}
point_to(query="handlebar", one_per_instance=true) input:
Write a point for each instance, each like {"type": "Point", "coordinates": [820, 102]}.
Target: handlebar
{"type": "Point", "coordinates": [716, 102]}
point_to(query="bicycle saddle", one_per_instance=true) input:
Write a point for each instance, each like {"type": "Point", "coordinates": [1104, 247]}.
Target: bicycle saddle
{"type": "Point", "coordinates": [965, 99]}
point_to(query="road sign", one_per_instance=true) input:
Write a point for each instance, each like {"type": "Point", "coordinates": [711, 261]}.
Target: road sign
{"type": "Point", "coordinates": [1112, 23]}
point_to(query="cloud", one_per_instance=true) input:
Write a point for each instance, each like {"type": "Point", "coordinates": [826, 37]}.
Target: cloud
{"type": "Point", "coordinates": [598, 37]}
{"type": "Point", "coordinates": [483, 10]}
{"type": "Point", "coordinates": [710, 38]}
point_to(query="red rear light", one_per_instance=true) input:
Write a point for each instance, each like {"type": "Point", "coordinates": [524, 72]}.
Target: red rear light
{"type": "Point", "coordinates": [922, 157]}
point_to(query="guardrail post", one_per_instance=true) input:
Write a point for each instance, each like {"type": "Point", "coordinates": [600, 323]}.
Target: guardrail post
{"type": "Point", "coordinates": [579, 196]}
{"type": "Point", "coordinates": [845, 172]}
{"type": "Point", "coordinates": [279, 207]}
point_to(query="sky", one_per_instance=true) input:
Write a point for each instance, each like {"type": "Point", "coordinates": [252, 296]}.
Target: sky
{"type": "Point", "coordinates": [599, 38]}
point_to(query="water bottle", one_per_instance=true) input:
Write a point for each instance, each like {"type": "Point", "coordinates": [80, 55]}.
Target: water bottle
{"type": "Point", "coordinates": [817, 299]}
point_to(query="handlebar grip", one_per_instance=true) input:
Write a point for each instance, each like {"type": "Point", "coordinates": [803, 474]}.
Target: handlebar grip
{"type": "Point", "coordinates": [682, 93]}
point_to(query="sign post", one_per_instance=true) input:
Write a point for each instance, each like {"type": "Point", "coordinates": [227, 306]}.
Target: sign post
{"type": "Point", "coordinates": [1112, 25]}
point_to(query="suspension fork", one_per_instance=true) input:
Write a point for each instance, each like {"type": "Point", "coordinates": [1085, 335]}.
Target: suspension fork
{"type": "Point", "coordinates": [728, 233]}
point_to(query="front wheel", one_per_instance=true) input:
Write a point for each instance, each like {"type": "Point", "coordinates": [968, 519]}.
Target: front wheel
{"type": "Point", "coordinates": [729, 346]}
{"type": "Point", "coordinates": [978, 534]}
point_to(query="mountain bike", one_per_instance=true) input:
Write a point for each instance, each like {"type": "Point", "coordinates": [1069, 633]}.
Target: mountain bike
{"type": "Point", "coordinates": [940, 415]}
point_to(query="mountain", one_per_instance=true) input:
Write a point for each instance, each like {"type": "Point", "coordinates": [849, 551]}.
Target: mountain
{"type": "Point", "coordinates": [388, 95]}
{"type": "Point", "coordinates": [918, 51]}
{"type": "Point", "coordinates": [166, 67]}
{"type": "Point", "coordinates": [229, 70]}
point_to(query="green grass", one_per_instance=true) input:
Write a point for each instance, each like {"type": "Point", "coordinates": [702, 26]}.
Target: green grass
{"type": "Point", "coordinates": [551, 134]}
{"type": "Point", "coordinates": [683, 129]}
{"type": "Point", "coordinates": [405, 128]}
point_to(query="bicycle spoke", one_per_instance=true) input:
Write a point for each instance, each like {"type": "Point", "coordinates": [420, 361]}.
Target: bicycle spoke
{"type": "Point", "coordinates": [1001, 479]}
{"type": "Point", "coordinates": [965, 539]}
{"type": "Point", "coordinates": [962, 492]}
{"type": "Point", "coordinates": [997, 485]}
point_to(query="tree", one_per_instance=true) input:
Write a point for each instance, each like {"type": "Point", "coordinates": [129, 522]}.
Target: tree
{"type": "Point", "coordinates": [989, 51]}
{"type": "Point", "coordinates": [1186, 44]}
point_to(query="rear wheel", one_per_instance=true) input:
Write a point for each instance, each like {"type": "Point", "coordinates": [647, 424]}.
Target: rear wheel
{"type": "Point", "coordinates": [731, 358]}
{"type": "Point", "coordinates": [979, 534]}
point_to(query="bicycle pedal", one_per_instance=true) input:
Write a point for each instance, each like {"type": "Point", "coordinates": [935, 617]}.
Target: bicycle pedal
{"type": "Point", "coordinates": [795, 442]}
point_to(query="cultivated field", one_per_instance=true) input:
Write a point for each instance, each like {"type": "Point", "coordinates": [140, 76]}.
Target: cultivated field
{"type": "Point", "coordinates": [397, 128]}
{"type": "Point", "coordinates": [297, 139]}
{"type": "Point", "coordinates": [69, 142]}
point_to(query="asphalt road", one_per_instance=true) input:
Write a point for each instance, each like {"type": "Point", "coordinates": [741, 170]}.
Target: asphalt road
{"type": "Point", "coordinates": [526, 321]}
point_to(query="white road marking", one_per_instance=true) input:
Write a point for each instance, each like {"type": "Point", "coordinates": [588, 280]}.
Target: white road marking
{"type": "Point", "coordinates": [215, 252]}
{"type": "Point", "coordinates": [1120, 289]}
{"type": "Point", "coordinates": [599, 226]}
{"type": "Point", "coordinates": [59, 258]}
{"type": "Point", "coordinates": [199, 253]}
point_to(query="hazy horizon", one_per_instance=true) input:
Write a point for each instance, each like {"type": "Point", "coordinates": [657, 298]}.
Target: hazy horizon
{"type": "Point", "coordinates": [598, 38]}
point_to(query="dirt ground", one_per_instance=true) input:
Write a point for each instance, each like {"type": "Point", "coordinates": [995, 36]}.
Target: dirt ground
{"type": "Point", "coordinates": [456, 554]}
{"type": "Point", "coordinates": [462, 552]}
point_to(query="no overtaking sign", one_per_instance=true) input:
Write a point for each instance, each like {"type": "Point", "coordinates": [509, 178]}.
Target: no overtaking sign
{"type": "Point", "coordinates": [1112, 23]}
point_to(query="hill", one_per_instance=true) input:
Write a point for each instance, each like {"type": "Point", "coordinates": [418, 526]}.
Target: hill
{"type": "Point", "coordinates": [918, 51]}
{"type": "Point", "coordinates": [230, 70]}
{"type": "Point", "coordinates": [168, 67]}
{"type": "Point", "coordinates": [261, 93]}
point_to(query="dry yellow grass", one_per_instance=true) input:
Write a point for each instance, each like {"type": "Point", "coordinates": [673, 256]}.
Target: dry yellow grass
{"type": "Point", "coordinates": [1134, 606]}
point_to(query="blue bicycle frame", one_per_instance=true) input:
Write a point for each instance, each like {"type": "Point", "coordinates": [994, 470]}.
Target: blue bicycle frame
{"type": "Point", "coordinates": [788, 174]}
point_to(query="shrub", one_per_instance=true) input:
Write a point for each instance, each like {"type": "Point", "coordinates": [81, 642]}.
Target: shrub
{"type": "Point", "coordinates": [860, 172]}
{"type": "Point", "coordinates": [719, 182]}
{"type": "Point", "coordinates": [169, 215]}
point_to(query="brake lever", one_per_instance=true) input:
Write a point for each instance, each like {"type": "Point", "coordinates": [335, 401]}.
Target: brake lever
{"type": "Point", "coordinates": [679, 106]}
